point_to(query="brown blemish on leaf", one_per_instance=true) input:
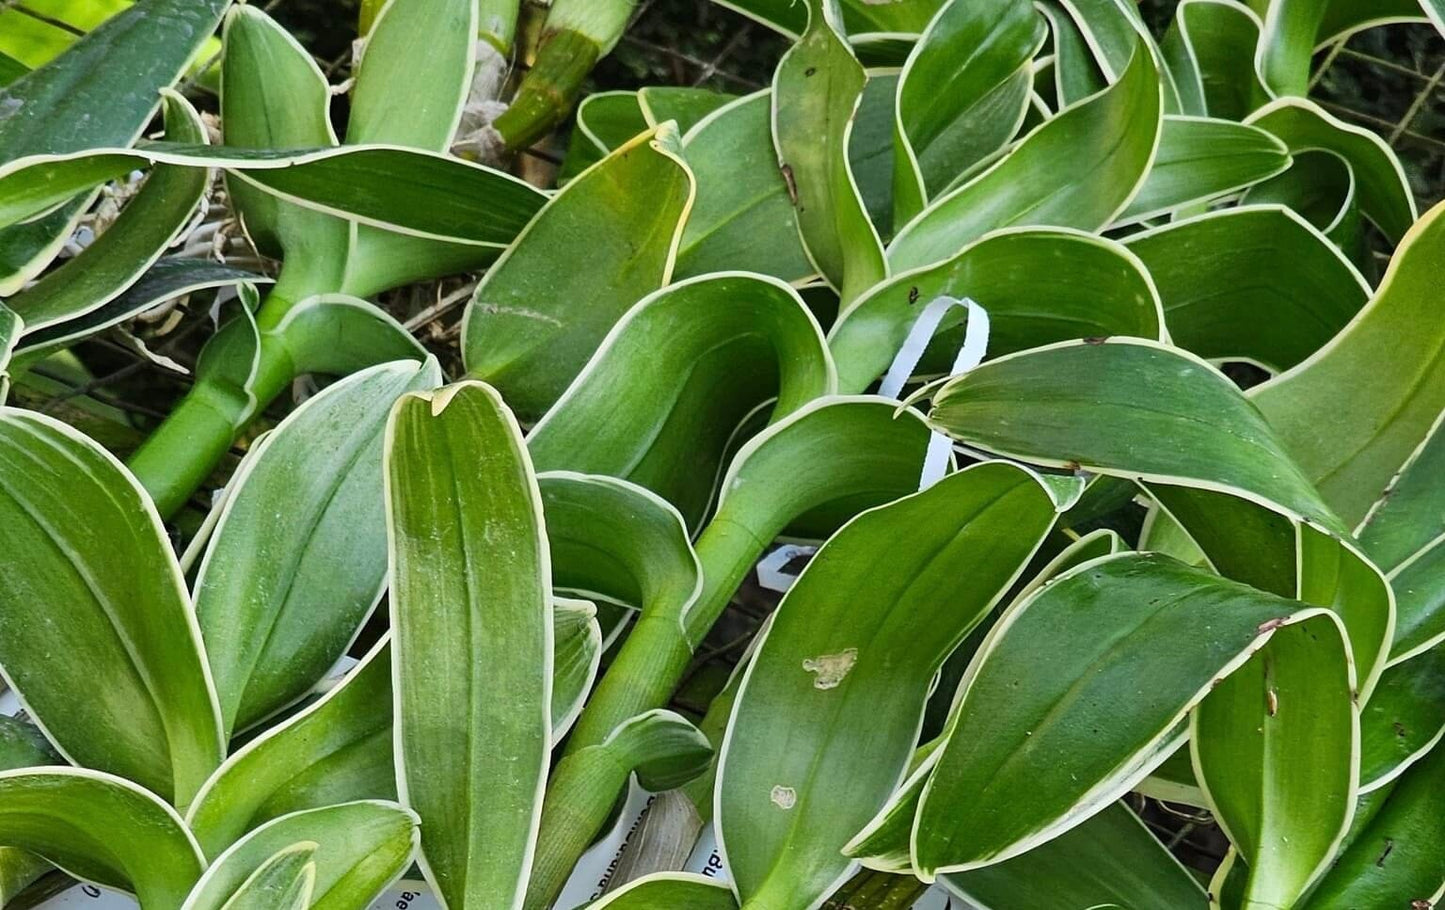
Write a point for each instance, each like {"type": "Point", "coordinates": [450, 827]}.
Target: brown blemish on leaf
{"type": "Point", "coordinates": [1399, 729]}
{"type": "Point", "coordinates": [1271, 699]}
{"type": "Point", "coordinates": [1096, 339]}
{"type": "Point", "coordinates": [1269, 625]}
{"type": "Point", "coordinates": [787, 171]}
{"type": "Point", "coordinates": [913, 294]}
{"type": "Point", "coordinates": [831, 668]}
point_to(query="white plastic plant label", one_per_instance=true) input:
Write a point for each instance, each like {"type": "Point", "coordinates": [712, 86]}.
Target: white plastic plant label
{"type": "Point", "coordinates": [407, 895]}
{"type": "Point", "coordinates": [90, 897]}
{"type": "Point", "coordinates": [706, 860]}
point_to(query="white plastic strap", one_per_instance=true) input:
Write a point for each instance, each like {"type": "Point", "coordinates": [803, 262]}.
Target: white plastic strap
{"type": "Point", "coordinates": [970, 355]}
{"type": "Point", "coordinates": [911, 351]}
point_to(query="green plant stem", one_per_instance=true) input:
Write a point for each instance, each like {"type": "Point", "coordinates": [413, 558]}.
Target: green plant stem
{"type": "Point", "coordinates": [647, 670]}
{"type": "Point", "coordinates": [497, 23]}
{"type": "Point", "coordinates": [573, 813]}
{"type": "Point", "coordinates": [643, 676]}
{"type": "Point", "coordinates": [188, 445]}
{"type": "Point", "coordinates": [656, 654]}
{"type": "Point", "coordinates": [871, 890]}
{"type": "Point", "coordinates": [545, 96]}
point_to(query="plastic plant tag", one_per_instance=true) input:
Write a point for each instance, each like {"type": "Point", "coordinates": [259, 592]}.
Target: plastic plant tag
{"type": "Point", "coordinates": [772, 569]}
{"type": "Point", "coordinates": [970, 355]}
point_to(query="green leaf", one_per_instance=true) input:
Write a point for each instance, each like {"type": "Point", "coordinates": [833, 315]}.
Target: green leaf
{"type": "Point", "coordinates": [473, 660]}
{"type": "Point", "coordinates": [297, 561]}
{"type": "Point", "coordinates": [1384, 192]}
{"type": "Point", "coordinates": [274, 96]}
{"type": "Point", "coordinates": [1209, 48]}
{"type": "Point", "coordinates": [1110, 28]}
{"type": "Point", "coordinates": [667, 891]}
{"type": "Point", "coordinates": [1420, 589]}
{"type": "Point", "coordinates": [103, 90]}
{"type": "Point", "coordinates": [687, 107]}
{"type": "Point", "coordinates": [415, 74]}
{"type": "Point", "coordinates": [339, 334]}
{"type": "Point", "coordinates": [659, 402]}
{"type": "Point", "coordinates": [424, 194]}
{"type": "Point", "coordinates": [576, 655]}
{"type": "Point", "coordinates": [614, 541]}
{"type": "Point", "coordinates": [27, 248]}
{"type": "Point", "coordinates": [845, 670]}
{"type": "Point", "coordinates": [1285, 826]}
{"type": "Point", "coordinates": [1201, 159]}
{"type": "Point", "coordinates": [1076, 75]}
{"type": "Point", "coordinates": [359, 849]}
{"type": "Point", "coordinates": [286, 881]}
{"type": "Point", "coordinates": [619, 542]}
{"type": "Point", "coordinates": [790, 18]}
{"type": "Point", "coordinates": [10, 328]}
{"type": "Point", "coordinates": [1079, 169]}
{"type": "Point", "coordinates": [1320, 186]}
{"type": "Point", "coordinates": [1038, 401]}
{"type": "Point", "coordinates": [1111, 860]}
{"type": "Point", "coordinates": [1039, 285]}
{"type": "Point", "coordinates": [1404, 718]}
{"type": "Point", "coordinates": [1256, 283]}
{"type": "Point", "coordinates": [124, 251]}
{"type": "Point", "coordinates": [806, 475]}
{"type": "Point", "coordinates": [1396, 860]}
{"type": "Point", "coordinates": [870, 147]}
{"type": "Point", "coordinates": [529, 328]}
{"type": "Point", "coordinates": [93, 601]}
{"type": "Point", "coordinates": [166, 280]}
{"type": "Point", "coordinates": [1379, 381]}
{"type": "Point", "coordinates": [1240, 496]}
{"type": "Point", "coordinates": [339, 747]}
{"type": "Point", "coordinates": [1287, 44]}
{"type": "Point", "coordinates": [743, 218]}
{"type": "Point", "coordinates": [11, 69]}
{"type": "Point", "coordinates": [100, 828]}
{"type": "Point", "coordinates": [1076, 694]}
{"type": "Point", "coordinates": [1409, 517]}
{"type": "Point", "coordinates": [1345, 17]}
{"type": "Point", "coordinates": [604, 121]}
{"type": "Point", "coordinates": [22, 745]}
{"type": "Point", "coordinates": [817, 89]}
{"type": "Point", "coordinates": [1330, 573]}
{"type": "Point", "coordinates": [962, 95]}
{"type": "Point", "coordinates": [662, 748]}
